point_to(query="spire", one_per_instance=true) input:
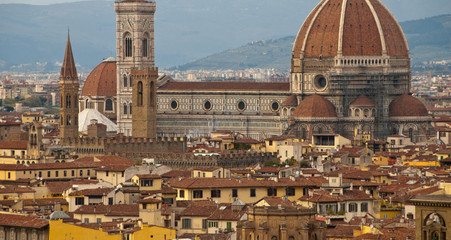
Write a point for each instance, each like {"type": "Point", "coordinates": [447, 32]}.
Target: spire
{"type": "Point", "coordinates": [68, 69]}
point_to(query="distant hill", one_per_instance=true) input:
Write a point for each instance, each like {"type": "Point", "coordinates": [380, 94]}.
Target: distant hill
{"type": "Point", "coordinates": [33, 37]}
{"type": "Point", "coordinates": [429, 39]}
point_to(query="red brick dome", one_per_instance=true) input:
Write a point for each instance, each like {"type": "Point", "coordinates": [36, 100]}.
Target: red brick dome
{"type": "Point", "coordinates": [407, 106]}
{"type": "Point", "coordinates": [363, 100]}
{"type": "Point", "coordinates": [315, 106]}
{"type": "Point", "coordinates": [102, 80]}
{"type": "Point", "coordinates": [360, 28]}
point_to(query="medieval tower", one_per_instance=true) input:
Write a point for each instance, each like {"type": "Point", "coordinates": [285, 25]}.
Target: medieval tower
{"type": "Point", "coordinates": [144, 124]}
{"type": "Point", "coordinates": [68, 87]}
{"type": "Point", "coordinates": [134, 49]}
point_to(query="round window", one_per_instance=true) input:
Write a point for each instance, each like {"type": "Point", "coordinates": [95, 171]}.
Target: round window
{"type": "Point", "coordinates": [275, 106]}
{"type": "Point", "coordinates": [207, 105]}
{"type": "Point", "coordinates": [241, 106]}
{"type": "Point", "coordinates": [320, 82]}
{"type": "Point", "coordinates": [174, 105]}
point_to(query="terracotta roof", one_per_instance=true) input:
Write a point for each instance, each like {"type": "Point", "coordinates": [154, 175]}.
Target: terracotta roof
{"type": "Point", "coordinates": [151, 200]}
{"type": "Point", "coordinates": [217, 86]}
{"type": "Point", "coordinates": [206, 168]}
{"type": "Point", "coordinates": [315, 106]}
{"type": "Point", "coordinates": [199, 208]}
{"type": "Point", "coordinates": [363, 100]}
{"type": "Point", "coordinates": [92, 192]}
{"type": "Point", "coordinates": [177, 173]}
{"type": "Point", "coordinates": [16, 190]}
{"type": "Point", "coordinates": [110, 210]}
{"type": "Point", "coordinates": [225, 213]}
{"type": "Point", "coordinates": [148, 176]}
{"type": "Point", "coordinates": [101, 81]}
{"type": "Point", "coordinates": [407, 106]}
{"type": "Point", "coordinates": [16, 220]}
{"type": "Point", "coordinates": [6, 144]}
{"type": "Point", "coordinates": [292, 100]}
{"type": "Point", "coordinates": [68, 69]}
{"type": "Point", "coordinates": [320, 33]}
{"type": "Point", "coordinates": [276, 201]}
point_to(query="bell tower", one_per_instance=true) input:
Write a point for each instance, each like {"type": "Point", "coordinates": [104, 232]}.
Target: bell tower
{"type": "Point", "coordinates": [68, 87]}
{"type": "Point", "coordinates": [144, 102]}
{"type": "Point", "coordinates": [134, 49]}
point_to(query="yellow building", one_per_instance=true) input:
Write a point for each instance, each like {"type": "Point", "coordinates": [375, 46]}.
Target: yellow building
{"type": "Point", "coordinates": [210, 172]}
{"type": "Point", "coordinates": [148, 182]}
{"type": "Point", "coordinates": [10, 150]}
{"type": "Point", "coordinates": [423, 161]}
{"type": "Point", "coordinates": [247, 190]}
{"type": "Point", "coordinates": [29, 117]}
{"type": "Point", "coordinates": [130, 230]}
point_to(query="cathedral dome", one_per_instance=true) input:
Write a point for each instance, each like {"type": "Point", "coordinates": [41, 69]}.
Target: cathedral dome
{"type": "Point", "coordinates": [315, 106]}
{"type": "Point", "coordinates": [350, 28]}
{"type": "Point", "coordinates": [292, 100]}
{"type": "Point", "coordinates": [102, 80]}
{"type": "Point", "coordinates": [407, 106]}
{"type": "Point", "coordinates": [363, 100]}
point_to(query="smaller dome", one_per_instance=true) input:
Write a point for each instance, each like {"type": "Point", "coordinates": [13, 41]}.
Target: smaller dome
{"type": "Point", "coordinates": [315, 106]}
{"type": "Point", "coordinates": [407, 106]}
{"type": "Point", "coordinates": [363, 100]}
{"type": "Point", "coordinates": [290, 101]}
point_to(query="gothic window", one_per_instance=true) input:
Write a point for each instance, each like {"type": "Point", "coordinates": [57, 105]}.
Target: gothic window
{"type": "Point", "coordinates": [128, 45]}
{"type": "Point", "coordinates": [130, 108]}
{"type": "Point", "coordinates": [109, 105]}
{"type": "Point", "coordinates": [125, 109]}
{"type": "Point", "coordinates": [68, 102]}
{"type": "Point", "coordinates": [152, 91]}
{"type": "Point", "coordinates": [145, 46]}
{"type": "Point", "coordinates": [125, 81]}
{"type": "Point", "coordinates": [130, 81]}
{"type": "Point", "coordinates": [411, 134]}
{"type": "Point", "coordinates": [140, 93]}
{"type": "Point", "coordinates": [68, 122]}
{"type": "Point", "coordinates": [62, 100]}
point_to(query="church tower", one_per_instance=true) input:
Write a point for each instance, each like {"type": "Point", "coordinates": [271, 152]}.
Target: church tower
{"type": "Point", "coordinates": [68, 87]}
{"type": "Point", "coordinates": [134, 49]}
{"type": "Point", "coordinates": [144, 102]}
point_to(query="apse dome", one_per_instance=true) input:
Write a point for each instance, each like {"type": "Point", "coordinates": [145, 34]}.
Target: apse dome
{"type": "Point", "coordinates": [315, 106]}
{"type": "Point", "coordinates": [350, 28]}
{"type": "Point", "coordinates": [407, 106]}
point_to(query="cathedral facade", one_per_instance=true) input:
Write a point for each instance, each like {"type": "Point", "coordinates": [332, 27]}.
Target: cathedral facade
{"type": "Point", "coordinates": [350, 74]}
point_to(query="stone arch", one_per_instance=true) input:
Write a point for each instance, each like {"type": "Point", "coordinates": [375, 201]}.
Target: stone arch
{"type": "Point", "coordinates": [357, 112]}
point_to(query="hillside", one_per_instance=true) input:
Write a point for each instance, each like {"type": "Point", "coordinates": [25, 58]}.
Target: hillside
{"type": "Point", "coordinates": [32, 37]}
{"type": "Point", "coordinates": [429, 39]}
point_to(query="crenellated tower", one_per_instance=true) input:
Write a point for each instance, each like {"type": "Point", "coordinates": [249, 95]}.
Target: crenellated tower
{"type": "Point", "coordinates": [144, 102]}
{"type": "Point", "coordinates": [68, 87]}
{"type": "Point", "coordinates": [134, 48]}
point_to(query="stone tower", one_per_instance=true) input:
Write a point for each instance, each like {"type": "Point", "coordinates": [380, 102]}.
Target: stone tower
{"type": "Point", "coordinates": [68, 87]}
{"type": "Point", "coordinates": [144, 102]}
{"type": "Point", "coordinates": [134, 48]}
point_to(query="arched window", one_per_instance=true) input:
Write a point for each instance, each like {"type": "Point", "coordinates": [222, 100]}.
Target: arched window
{"type": "Point", "coordinates": [125, 80]}
{"type": "Point", "coordinates": [62, 120]}
{"type": "Point", "coordinates": [128, 45]}
{"type": "Point", "coordinates": [68, 122]}
{"type": "Point", "coordinates": [68, 102]}
{"type": "Point", "coordinates": [62, 100]}
{"type": "Point", "coordinates": [125, 108]}
{"type": "Point", "coordinates": [357, 112]}
{"type": "Point", "coordinates": [109, 105]}
{"type": "Point", "coordinates": [140, 93]}
{"type": "Point", "coordinates": [152, 90]}
{"type": "Point", "coordinates": [130, 108]}
{"type": "Point", "coordinates": [411, 134]}
{"type": "Point", "coordinates": [145, 45]}
{"type": "Point", "coordinates": [366, 113]}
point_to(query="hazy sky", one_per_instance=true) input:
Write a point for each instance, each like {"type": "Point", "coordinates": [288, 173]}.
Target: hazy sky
{"type": "Point", "coordinates": [42, 2]}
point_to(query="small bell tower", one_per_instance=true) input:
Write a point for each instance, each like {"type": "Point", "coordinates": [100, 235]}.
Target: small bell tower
{"type": "Point", "coordinates": [68, 87]}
